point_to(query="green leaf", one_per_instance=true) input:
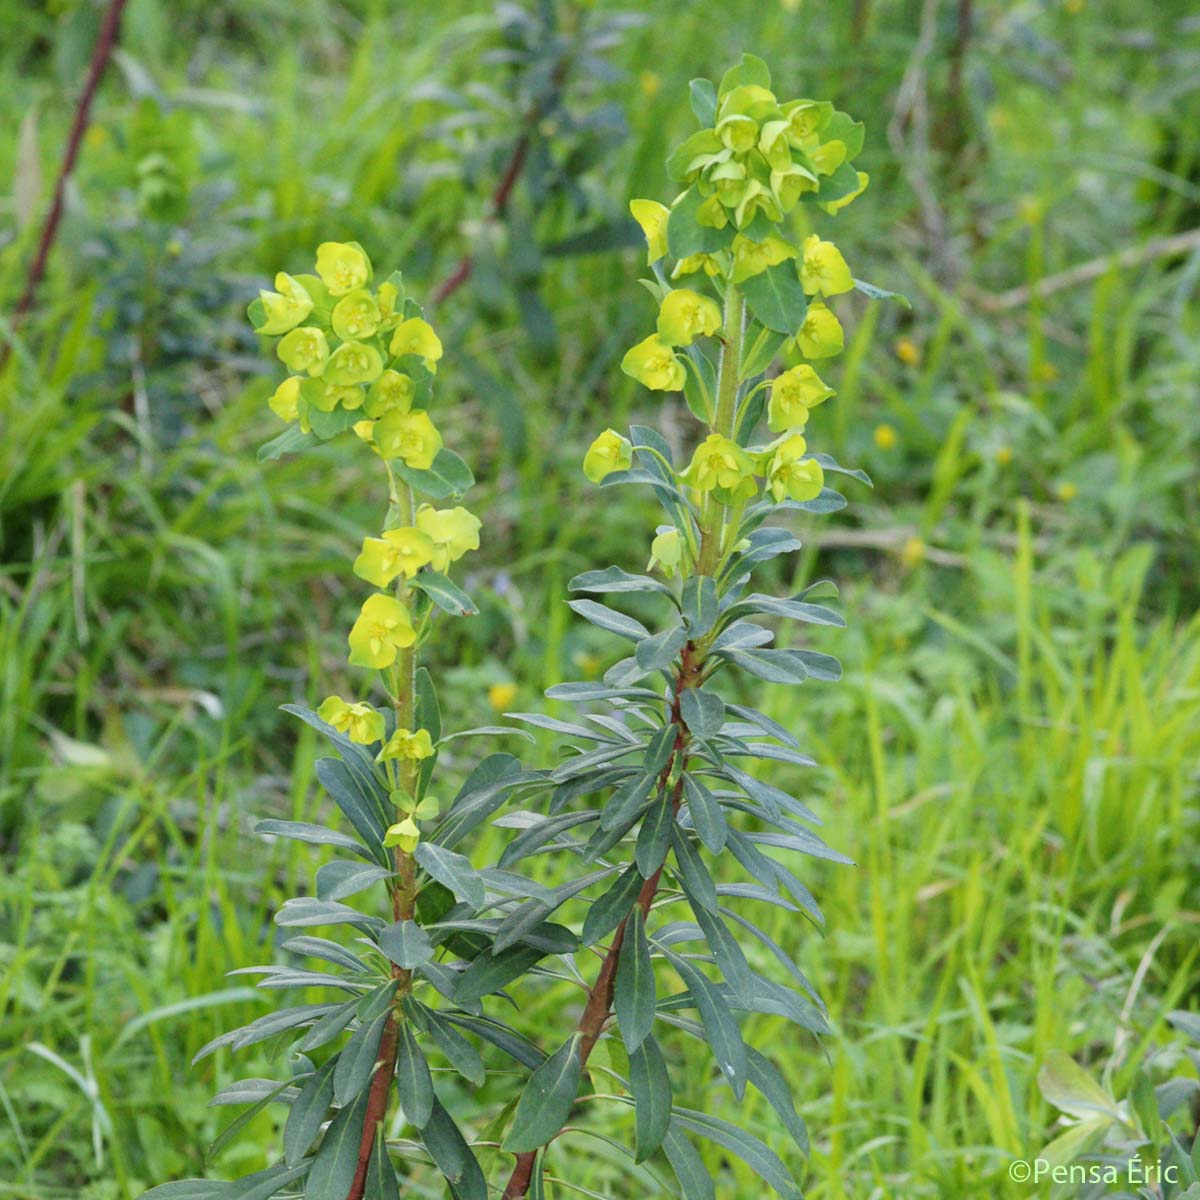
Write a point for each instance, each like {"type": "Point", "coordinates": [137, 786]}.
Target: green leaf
{"type": "Point", "coordinates": [655, 653]}
{"type": "Point", "coordinates": [751, 70]}
{"type": "Point", "coordinates": [381, 1175]}
{"type": "Point", "coordinates": [730, 958]}
{"type": "Point", "coordinates": [546, 1101]}
{"type": "Point", "coordinates": [704, 101]}
{"type": "Point", "coordinates": [759, 347]}
{"type": "Point", "coordinates": [758, 1156]}
{"type": "Point", "coordinates": [479, 797]}
{"type": "Point", "coordinates": [613, 579]}
{"type": "Point", "coordinates": [336, 1160]}
{"type": "Point", "coordinates": [291, 441]}
{"type": "Point", "coordinates": [519, 1048]}
{"type": "Point", "coordinates": [654, 837]}
{"type": "Point", "coordinates": [878, 293]}
{"type": "Point", "coordinates": [188, 1189]}
{"type": "Point", "coordinates": [406, 944]}
{"type": "Point", "coordinates": [264, 1027]}
{"type": "Point", "coordinates": [356, 1062]}
{"type": "Point", "coordinates": [264, 1184]}
{"type": "Point", "coordinates": [775, 666]}
{"type": "Point", "coordinates": [650, 1086]}
{"type": "Point", "coordinates": [700, 605]}
{"type": "Point", "coordinates": [1066, 1085]}
{"type": "Point", "coordinates": [413, 1081]}
{"type": "Point", "coordinates": [459, 1052]}
{"type": "Point", "coordinates": [698, 882]}
{"type": "Point", "coordinates": [361, 798]}
{"type": "Point", "coordinates": [633, 997]}
{"type": "Point", "coordinates": [448, 596]}
{"type": "Point", "coordinates": [315, 835]}
{"type": "Point", "coordinates": [308, 1113]}
{"type": "Point", "coordinates": [329, 1026]}
{"type": "Point", "coordinates": [686, 236]}
{"type": "Point", "coordinates": [308, 911]}
{"type": "Point", "coordinates": [243, 1119]}
{"type": "Point", "coordinates": [491, 972]}
{"type": "Point", "coordinates": [610, 909]}
{"type": "Point", "coordinates": [336, 880]}
{"type": "Point", "coordinates": [776, 298]}
{"type": "Point", "coordinates": [707, 817]}
{"type": "Point", "coordinates": [627, 801]}
{"type": "Point", "coordinates": [452, 870]}
{"type": "Point", "coordinates": [543, 831]}
{"type": "Point", "coordinates": [703, 712]}
{"type": "Point", "coordinates": [694, 1180]}
{"type": "Point", "coordinates": [449, 1150]}
{"type": "Point", "coordinates": [767, 1077]}
{"type": "Point", "coordinates": [449, 477]}
{"type": "Point", "coordinates": [795, 610]}
{"type": "Point", "coordinates": [724, 1036]}
{"type": "Point", "coordinates": [609, 619]}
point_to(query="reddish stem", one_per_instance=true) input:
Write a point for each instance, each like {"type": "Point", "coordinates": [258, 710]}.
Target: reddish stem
{"type": "Point", "coordinates": [377, 1103]}
{"type": "Point", "coordinates": [105, 42]}
{"type": "Point", "coordinates": [499, 206]}
{"type": "Point", "coordinates": [599, 1004]}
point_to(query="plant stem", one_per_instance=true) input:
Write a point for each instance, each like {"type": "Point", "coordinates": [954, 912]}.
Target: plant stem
{"type": "Point", "coordinates": [105, 41]}
{"type": "Point", "coordinates": [599, 1004]}
{"type": "Point", "coordinates": [400, 510]}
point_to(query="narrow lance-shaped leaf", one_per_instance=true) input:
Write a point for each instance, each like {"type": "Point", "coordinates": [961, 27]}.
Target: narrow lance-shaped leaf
{"type": "Point", "coordinates": [650, 1086]}
{"type": "Point", "coordinates": [546, 1101]}
{"type": "Point", "coordinates": [634, 985]}
{"type": "Point", "coordinates": [413, 1081]}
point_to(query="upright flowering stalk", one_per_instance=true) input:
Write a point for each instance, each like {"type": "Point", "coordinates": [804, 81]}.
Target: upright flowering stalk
{"type": "Point", "coordinates": [651, 773]}
{"type": "Point", "coordinates": [364, 358]}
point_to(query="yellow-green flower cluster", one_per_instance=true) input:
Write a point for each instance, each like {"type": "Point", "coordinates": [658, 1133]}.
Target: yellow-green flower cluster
{"type": "Point", "coordinates": [762, 155]}
{"type": "Point", "coordinates": [358, 356]}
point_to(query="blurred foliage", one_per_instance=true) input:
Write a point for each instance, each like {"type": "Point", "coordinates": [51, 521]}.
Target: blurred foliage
{"type": "Point", "coordinates": [1026, 658]}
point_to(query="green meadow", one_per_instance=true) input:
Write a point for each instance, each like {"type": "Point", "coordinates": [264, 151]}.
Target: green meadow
{"type": "Point", "coordinates": [1012, 758]}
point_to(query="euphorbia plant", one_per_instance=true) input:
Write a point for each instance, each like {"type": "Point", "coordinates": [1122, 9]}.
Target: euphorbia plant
{"type": "Point", "coordinates": [649, 793]}
{"type": "Point", "coordinates": [652, 772]}
{"type": "Point", "coordinates": [365, 359]}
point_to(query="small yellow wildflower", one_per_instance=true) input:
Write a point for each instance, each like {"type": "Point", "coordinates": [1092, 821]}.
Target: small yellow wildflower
{"type": "Point", "coordinates": [793, 394]}
{"type": "Point", "coordinates": [608, 453]}
{"type": "Point", "coordinates": [708, 263]}
{"type": "Point", "coordinates": [912, 554]}
{"type": "Point", "coordinates": [885, 436]}
{"type": "Point", "coordinates": [303, 349]}
{"type": "Point", "coordinates": [666, 550]}
{"type": "Point", "coordinates": [392, 391]}
{"type": "Point", "coordinates": [452, 531]}
{"type": "Point", "coordinates": [684, 315]}
{"type": "Point", "coordinates": [285, 401]}
{"type": "Point", "coordinates": [343, 267]}
{"type": "Point", "coordinates": [719, 462]}
{"type": "Point", "coordinates": [352, 363]}
{"type": "Point", "coordinates": [403, 834]}
{"type": "Point", "coordinates": [1004, 455]}
{"type": "Point", "coordinates": [651, 83]}
{"type": "Point", "coordinates": [359, 722]}
{"type": "Point", "coordinates": [415, 336]}
{"type": "Point", "coordinates": [752, 258]}
{"type": "Point", "coordinates": [355, 316]}
{"type": "Point", "coordinates": [501, 695]}
{"type": "Point", "coordinates": [821, 335]}
{"type": "Point", "coordinates": [285, 307]}
{"type": "Point", "coordinates": [790, 473]}
{"type": "Point", "coordinates": [382, 628]}
{"type": "Point", "coordinates": [397, 552]}
{"type": "Point", "coordinates": [652, 217]}
{"type": "Point", "coordinates": [653, 363]}
{"type": "Point", "coordinates": [823, 269]}
{"type": "Point", "coordinates": [1067, 491]}
{"type": "Point", "coordinates": [410, 436]}
{"type": "Point", "coordinates": [907, 351]}
{"type": "Point", "coordinates": [407, 744]}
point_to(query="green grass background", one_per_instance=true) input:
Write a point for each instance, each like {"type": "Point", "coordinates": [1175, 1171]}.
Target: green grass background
{"type": "Point", "coordinates": [1011, 759]}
